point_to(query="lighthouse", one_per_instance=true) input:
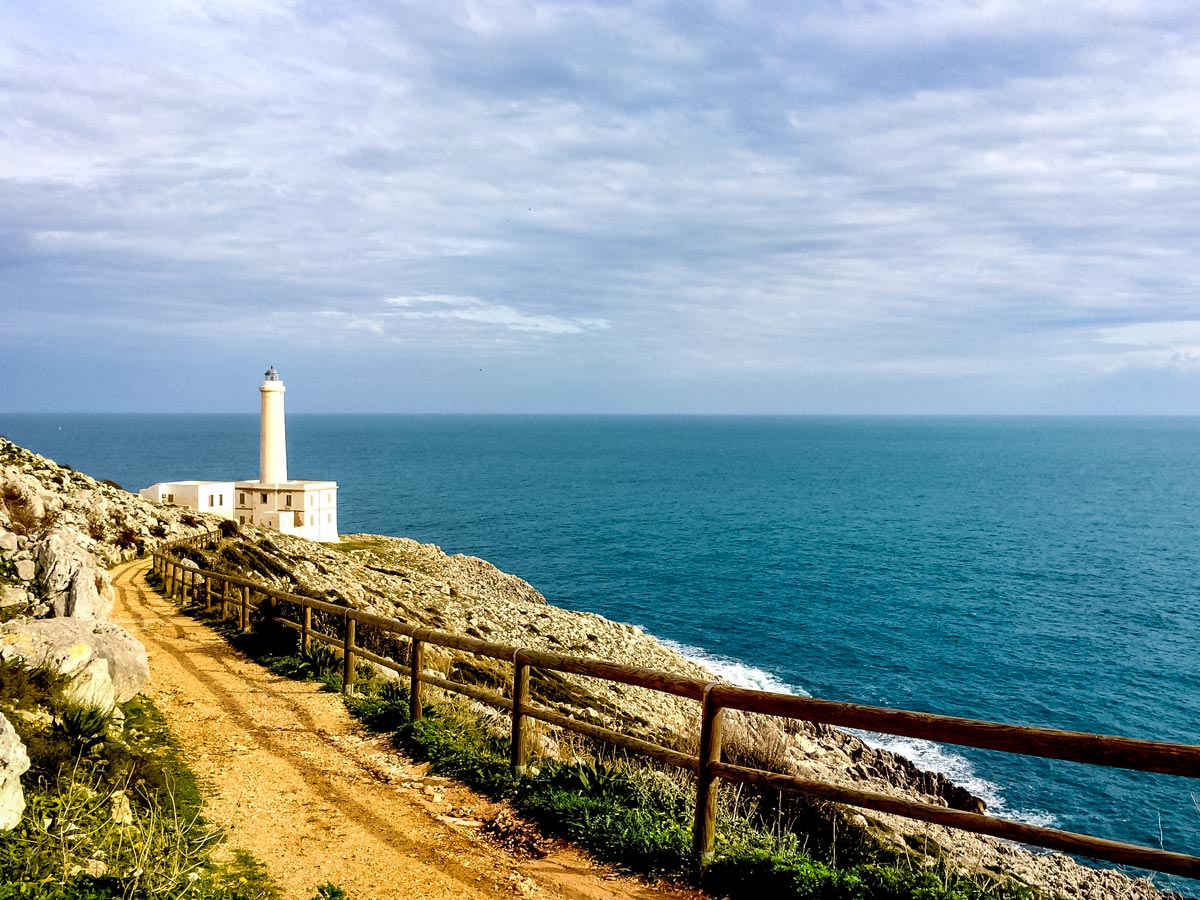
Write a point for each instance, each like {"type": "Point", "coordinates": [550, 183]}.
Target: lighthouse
{"type": "Point", "coordinates": [272, 441]}
{"type": "Point", "coordinates": [303, 508]}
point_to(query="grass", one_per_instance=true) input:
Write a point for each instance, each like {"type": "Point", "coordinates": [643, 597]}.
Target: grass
{"type": "Point", "coordinates": [626, 811]}
{"type": "Point", "coordinates": [112, 812]}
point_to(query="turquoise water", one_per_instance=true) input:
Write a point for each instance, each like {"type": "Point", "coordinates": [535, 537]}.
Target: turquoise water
{"type": "Point", "coordinates": [1034, 571]}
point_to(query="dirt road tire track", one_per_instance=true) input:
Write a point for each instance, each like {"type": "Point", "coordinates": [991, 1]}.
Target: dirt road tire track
{"type": "Point", "coordinates": [294, 780]}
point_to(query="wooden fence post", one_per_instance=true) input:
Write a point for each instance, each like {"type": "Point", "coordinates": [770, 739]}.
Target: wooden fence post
{"type": "Point", "coordinates": [305, 628]}
{"type": "Point", "coordinates": [224, 599]}
{"type": "Point", "coordinates": [520, 699]}
{"type": "Point", "coordinates": [348, 658]}
{"type": "Point", "coordinates": [416, 663]}
{"type": "Point", "coordinates": [244, 617]}
{"type": "Point", "coordinates": [705, 826]}
{"type": "Point", "coordinates": [169, 580]}
{"type": "Point", "coordinates": [208, 593]}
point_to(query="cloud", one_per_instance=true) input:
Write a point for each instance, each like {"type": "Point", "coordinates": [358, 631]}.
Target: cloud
{"type": "Point", "coordinates": [1156, 345]}
{"type": "Point", "coordinates": [911, 191]}
{"type": "Point", "coordinates": [501, 315]}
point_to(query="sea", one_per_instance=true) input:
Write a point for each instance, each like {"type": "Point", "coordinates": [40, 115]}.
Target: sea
{"type": "Point", "coordinates": [1034, 571]}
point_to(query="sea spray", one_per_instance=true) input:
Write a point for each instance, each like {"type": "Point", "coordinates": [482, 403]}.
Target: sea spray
{"type": "Point", "coordinates": [927, 755]}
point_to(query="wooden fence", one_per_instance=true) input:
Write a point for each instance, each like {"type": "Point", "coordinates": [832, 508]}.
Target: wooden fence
{"type": "Point", "coordinates": [237, 596]}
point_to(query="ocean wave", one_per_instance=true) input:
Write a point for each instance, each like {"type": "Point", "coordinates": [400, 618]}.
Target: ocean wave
{"type": "Point", "coordinates": [936, 758]}
{"type": "Point", "coordinates": [735, 671]}
{"type": "Point", "coordinates": [924, 754]}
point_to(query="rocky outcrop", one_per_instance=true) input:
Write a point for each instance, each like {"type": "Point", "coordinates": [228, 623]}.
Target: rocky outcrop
{"type": "Point", "coordinates": [14, 762]}
{"type": "Point", "coordinates": [106, 665]}
{"type": "Point", "coordinates": [70, 580]}
{"type": "Point", "coordinates": [60, 530]}
{"type": "Point", "coordinates": [419, 583]}
{"type": "Point", "coordinates": [66, 645]}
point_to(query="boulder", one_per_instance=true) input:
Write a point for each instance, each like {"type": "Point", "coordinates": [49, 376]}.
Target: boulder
{"type": "Point", "coordinates": [14, 595]}
{"type": "Point", "coordinates": [106, 664]}
{"type": "Point", "coordinates": [70, 580]}
{"type": "Point", "coordinates": [14, 762]}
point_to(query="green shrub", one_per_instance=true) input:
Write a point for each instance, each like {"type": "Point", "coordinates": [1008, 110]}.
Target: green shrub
{"type": "Point", "coordinates": [381, 707]}
{"type": "Point", "coordinates": [632, 813]}
{"type": "Point", "coordinates": [84, 726]}
{"type": "Point", "coordinates": [321, 660]}
{"type": "Point", "coordinates": [22, 687]}
{"type": "Point", "coordinates": [110, 816]}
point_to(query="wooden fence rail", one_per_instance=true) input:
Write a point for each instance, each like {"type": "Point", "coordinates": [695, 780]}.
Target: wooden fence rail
{"type": "Point", "coordinates": [237, 597]}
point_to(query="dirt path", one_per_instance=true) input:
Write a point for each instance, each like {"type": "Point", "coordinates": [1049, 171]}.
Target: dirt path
{"type": "Point", "coordinates": [295, 781]}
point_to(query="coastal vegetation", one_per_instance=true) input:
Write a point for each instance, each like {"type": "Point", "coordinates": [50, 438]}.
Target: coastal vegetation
{"type": "Point", "coordinates": [111, 809]}
{"type": "Point", "coordinates": [624, 810]}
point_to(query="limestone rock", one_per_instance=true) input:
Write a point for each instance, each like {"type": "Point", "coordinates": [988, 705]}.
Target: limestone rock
{"type": "Point", "coordinates": [105, 662]}
{"type": "Point", "coordinates": [71, 580]}
{"type": "Point", "coordinates": [14, 762]}
{"type": "Point", "coordinates": [13, 595]}
{"type": "Point", "coordinates": [39, 497]}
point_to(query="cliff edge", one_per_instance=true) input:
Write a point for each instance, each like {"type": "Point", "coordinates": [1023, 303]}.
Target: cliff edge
{"type": "Point", "coordinates": [59, 529]}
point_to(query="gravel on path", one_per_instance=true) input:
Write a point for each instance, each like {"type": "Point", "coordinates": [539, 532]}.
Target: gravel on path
{"type": "Point", "coordinates": [293, 779]}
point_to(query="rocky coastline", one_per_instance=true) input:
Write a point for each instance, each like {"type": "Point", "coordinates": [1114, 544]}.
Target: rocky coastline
{"type": "Point", "coordinates": [60, 530]}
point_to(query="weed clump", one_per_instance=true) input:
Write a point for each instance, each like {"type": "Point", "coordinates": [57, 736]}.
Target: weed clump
{"type": "Point", "coordinates": [26, 515]}
{"type": "Point", "coordinates": [110, 811]}
{"type": "Point", "coordinates": [627, 811]}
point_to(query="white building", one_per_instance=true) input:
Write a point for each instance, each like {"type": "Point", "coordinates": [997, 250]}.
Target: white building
{"type": "Point", "coordinates": [205, 496]}
{"type": "Point", "coordinates": [303, 508]}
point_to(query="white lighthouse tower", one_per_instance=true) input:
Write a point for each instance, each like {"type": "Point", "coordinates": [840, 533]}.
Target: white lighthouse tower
{"type": "Point", "coordinates": [303, 508]}
{"type": "Point", "coordinates": [272, 442]}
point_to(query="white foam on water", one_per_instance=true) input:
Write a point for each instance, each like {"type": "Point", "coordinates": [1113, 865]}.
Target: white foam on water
{"type": "Point", "coordinates": [735, 671]}
{"type": "Point", "coordinates": [924, 754]}
{"type": "Point", "coordinates": [936, 758]}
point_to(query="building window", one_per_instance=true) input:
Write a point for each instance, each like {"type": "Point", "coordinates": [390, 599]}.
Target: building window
{"type": "Point", "coordinates": [329, 518]}
{"type": "Point", "coordinates": [221, 499]}
{"type": "Point", "coordinates": [312, 520]}
{"type": "Point", "coordinates": [263, 498]}
{"type": "Point", "coordinates": [211, 500]}
{"type": "Point", "coordinates": [170, 498]}
{"type": "Point", "coordinates": [298, 519]}
{"type": "Point", "coordinates": [241, 520]}
{"type": "Point", "coordinates": [287, 499]}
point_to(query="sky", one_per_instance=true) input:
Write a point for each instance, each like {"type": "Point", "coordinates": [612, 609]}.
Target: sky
{"type": "Point", "coordinates": [951, 207]}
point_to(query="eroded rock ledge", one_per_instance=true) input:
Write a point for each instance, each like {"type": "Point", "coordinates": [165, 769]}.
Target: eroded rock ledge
{"type": "Point", "coordinates": [60, 530]}
{"type": "Point", "coordinates": [419, 583]}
